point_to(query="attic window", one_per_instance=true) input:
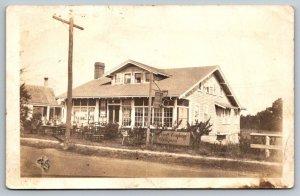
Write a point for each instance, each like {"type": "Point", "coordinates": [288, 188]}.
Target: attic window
{"type": "Point", "coordinates": [138, 77]}
{"type": "Point", "coordinates": [118, 78]}
{"type": "Point", "coordinates": [127, 78]}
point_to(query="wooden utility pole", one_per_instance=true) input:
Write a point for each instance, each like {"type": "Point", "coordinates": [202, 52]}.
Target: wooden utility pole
{"type": "Point", "coordinates": [70, 76]}
{"type": "Point", "coordinates": [149, 110]}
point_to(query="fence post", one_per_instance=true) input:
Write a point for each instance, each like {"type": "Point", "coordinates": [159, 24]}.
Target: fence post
{"type": "Point", "coordinates": [267, 151]}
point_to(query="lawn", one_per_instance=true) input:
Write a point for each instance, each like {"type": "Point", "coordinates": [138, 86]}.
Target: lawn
{"type": "Point", "coordinates": [235, 151]}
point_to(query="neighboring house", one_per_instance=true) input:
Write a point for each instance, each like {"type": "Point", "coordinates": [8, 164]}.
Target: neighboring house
{"type": "Point", "coordinates": [194, 94]}
{"type": "Point", "coordinates": [43, 101]}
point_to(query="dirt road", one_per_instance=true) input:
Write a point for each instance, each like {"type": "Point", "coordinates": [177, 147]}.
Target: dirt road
{"type": "Point", "coordinates": [63, 163]}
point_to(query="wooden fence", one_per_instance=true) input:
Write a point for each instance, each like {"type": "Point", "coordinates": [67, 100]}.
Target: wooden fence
{"type": "Point", "coordinates": [267, 138]}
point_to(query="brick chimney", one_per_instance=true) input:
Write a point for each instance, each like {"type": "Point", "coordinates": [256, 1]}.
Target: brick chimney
{"type": "Point", "coordinates": [99, 70]}
{"type": "Point", "coordinates": [45, 82]}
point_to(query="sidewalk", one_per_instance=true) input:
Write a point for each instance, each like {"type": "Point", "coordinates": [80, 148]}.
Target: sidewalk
{"type": "Point", "coordinates": [144, 154]}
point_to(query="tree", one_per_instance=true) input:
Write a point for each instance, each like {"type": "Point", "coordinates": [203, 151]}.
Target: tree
{"type": "Point", "coordinates": [197, 131]}
{"type": "Point", "coordinates": [24, 109]}
{"type": "Point", "coordinates": [269, 119]}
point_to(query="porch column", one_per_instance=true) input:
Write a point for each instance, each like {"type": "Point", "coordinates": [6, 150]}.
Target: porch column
{"type": "Point", "coordinates": [48, 112]}
{"type": "Point", "coordinates": [132, 113]}
{"type": "Point", "coordinates": [121, 113]}
{"type": "Point", "coordinates": [96, 113]}
{"type": "Point", "coordinates": [175, 112]}
{"type": "Point", "coordinates": [107, 114]}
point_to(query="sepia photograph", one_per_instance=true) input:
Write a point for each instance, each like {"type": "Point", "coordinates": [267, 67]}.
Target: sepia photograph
{"type": "Point", "coordinates": [141, 96]}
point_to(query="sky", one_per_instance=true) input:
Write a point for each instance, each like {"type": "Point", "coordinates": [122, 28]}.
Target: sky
{"type": "Point", "coordinates": [253, 45]}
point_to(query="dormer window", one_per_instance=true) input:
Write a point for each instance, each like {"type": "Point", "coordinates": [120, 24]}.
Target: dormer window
{"type": "Point", "coordinates": [118, 78]}
{"type": "Point", "coordinates": [138, 77]}
{"type": "Point", "coordinates": [127, 78]}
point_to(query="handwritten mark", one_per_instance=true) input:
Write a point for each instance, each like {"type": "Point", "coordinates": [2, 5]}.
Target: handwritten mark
{"type": "Point", "coordinates": [44, 162]}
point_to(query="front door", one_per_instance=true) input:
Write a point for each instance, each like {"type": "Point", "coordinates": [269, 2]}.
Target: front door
{"type": "Point", "coordinates": [113, 116]}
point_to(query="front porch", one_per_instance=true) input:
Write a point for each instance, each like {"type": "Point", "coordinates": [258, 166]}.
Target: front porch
{"type": "Point", "coordinates": [129, 112]}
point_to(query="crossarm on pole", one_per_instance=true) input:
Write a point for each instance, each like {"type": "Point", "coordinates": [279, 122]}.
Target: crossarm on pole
{"type": "Point", "coordinates": [67, 22]}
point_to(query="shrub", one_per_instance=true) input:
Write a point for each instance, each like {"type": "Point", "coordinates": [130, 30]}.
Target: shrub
{"type": "Point", "coordinates": [137, 136]}
{"type": "Point", "coordinates": [111, 130]}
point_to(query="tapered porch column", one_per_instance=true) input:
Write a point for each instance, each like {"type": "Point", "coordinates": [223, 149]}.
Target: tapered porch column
{"type": "Point", "coordinates": [48, 113]}
{"type": "Point", "coordinates": [96, 114]}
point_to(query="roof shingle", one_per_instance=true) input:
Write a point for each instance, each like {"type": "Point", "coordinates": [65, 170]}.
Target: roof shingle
{"type": "Point", "coordinates": [178, 82]}
{"type": "Point", "coordinates": [41, 95]}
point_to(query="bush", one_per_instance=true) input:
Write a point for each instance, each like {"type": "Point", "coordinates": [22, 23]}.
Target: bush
{"type": "Point", "coordinates": [111, 130]}
{"type": "Point", "coordinates": [137, 136]}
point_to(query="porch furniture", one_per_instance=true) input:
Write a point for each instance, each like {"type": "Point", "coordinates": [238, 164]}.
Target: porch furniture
{"type": "Point", "coordinates": [125, 137]}
{"type": "Point", "coordinates": [98, 135]}
{"type": "Point", "coordinates": [88, 132]}
{"type": "Point", "coordinates": [77, 132]}
{"type": "Point", "coordinates": [52, 128]}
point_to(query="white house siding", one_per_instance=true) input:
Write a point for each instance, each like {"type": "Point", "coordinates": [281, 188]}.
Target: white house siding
{"type": "Point", "coordinates": [206, 104]}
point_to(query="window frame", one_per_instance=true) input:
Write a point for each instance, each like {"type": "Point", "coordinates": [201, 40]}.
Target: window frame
{"type": "Point", "coordinates": [130, 78]}
{"type": "Point", "coordinates": [141, 77]}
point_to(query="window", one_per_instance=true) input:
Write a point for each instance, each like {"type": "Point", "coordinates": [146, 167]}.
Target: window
{"type": "Point", "coordinates": [205, 113]}
{"type": "Point", "coordinates": [196, 112]}
{"type": "Point", "coordinates": [84, 102]}
{"type": "Point", "coordinates": [147, 77]}
{"type": "Point", "coordinates": [127, 78]}
{"type": "Point", "coordinates": [102, 112]}
{"type": "Point", "coordinates": [157, 119]}
{"type": "Point", "coordinates": [146, 116]}
{"type": "Point", "coordinates": [76, 102]}
{"type": "Point", "coordinates": [226, 116]}
{"type": "Point", "coordinates": [237, 117]}
{"type": "Point", "coordinates": [137, 77]}
{"type": "Point", "coordinates": [182, 116]}
{"type": "Point", "coordinates": [126, 115]}
{"type": "Point", "coordinates": [92, 102]}
{"type": "Point", "coordinates": [118, 78]}
{"type": "Point", "coordinates": [168, 117]}
{"type": "Point", "coordinates": [138, 116]}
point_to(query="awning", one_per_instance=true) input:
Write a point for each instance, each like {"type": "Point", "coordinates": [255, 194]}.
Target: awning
{"type": "Point", "coordinates": [225, 106]}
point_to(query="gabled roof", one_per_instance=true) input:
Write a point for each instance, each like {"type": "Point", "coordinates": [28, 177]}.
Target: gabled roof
{"type": "Point", "coordinates": [141, 65]}
{"type": "Point", "coordinates": [41, 95]}
{"type": "Point", "coordinates": [179, 82]}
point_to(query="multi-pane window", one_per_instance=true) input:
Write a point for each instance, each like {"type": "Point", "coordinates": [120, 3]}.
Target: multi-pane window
{"type": "Point", "coordinates": [139, 116]}
{"type": "Point", "coordinates": [168, 116]}
{"type": "Point", "coordinates": [157, 119]}
{"type": "Point", "coordinates": [102, 111]}
{"type": "Point", "coordinates": [118, 78]}
{"type": "Point", "coordinates": [138, 77]}
{"type": "Point", "coordinates": [182, 116]}
{"type": "Point", "coordinates": [126, 115]}
{"type": "Point", "coordinates": [146, 116]}
{"type": "Point", "coordinates": [83, 110]}
{"type": "Point", "coordinates": [127, 78]}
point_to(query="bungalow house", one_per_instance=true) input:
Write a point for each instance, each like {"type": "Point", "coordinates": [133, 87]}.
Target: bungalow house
{"type": "Point", "coordinates": [43, 101]}
{"type": "Point", "coordinates": [192, 94]}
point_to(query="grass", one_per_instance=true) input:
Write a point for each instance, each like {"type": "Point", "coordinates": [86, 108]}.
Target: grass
{"type": "Point", "coordinates": [235, 151]}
